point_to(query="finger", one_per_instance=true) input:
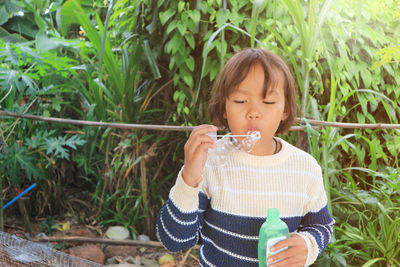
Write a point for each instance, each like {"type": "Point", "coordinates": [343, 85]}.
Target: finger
{"type": "Point", "coordinates": [285, 253]}
{"type": "Point", "coordinates": [204, 147]}
{"type": "Point", "coordinates": [204, 129]}
{"type": "Point", "coordinates": [198, 141]}
{"type": "Point", "coordinates": [295, 255]}
{"type": "Point", "coordinates": [293, 240]}
{"type": "Point", "coordinates": [198, 135]}
{"type": "Point", "coordinates": [282, 244]}
{"type": "Point", "coordinates": [200, 130]}
{"type": "Point", "coordinates": [200, 138]}
{"type": "Point", "coordinates": [287, 262]}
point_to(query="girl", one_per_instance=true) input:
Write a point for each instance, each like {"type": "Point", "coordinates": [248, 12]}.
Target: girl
{"type": "Point", "coordinates": [224, 207]}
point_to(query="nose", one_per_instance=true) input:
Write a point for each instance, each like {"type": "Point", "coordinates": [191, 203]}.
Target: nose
{"type": "Point", "coordinates": [253, 115]}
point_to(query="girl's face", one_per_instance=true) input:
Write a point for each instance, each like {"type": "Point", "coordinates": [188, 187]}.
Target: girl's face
{"type": "Point", "coordinates": [248, 110]}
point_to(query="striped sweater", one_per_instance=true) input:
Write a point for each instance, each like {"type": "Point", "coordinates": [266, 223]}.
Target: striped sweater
{"type": "Point", "coordinates": [227, 210]}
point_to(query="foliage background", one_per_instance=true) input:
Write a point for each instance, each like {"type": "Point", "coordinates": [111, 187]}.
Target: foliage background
{"type": "Point", "coordinates": [154, 62]}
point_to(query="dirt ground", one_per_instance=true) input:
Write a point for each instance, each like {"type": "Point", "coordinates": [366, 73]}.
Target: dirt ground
{"type": "Point", "coordinates": [188, 258]}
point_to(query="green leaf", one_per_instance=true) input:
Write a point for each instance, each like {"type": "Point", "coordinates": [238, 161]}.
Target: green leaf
{"type": "Point", "coordinates": [4, 16]}
{"type": "Point", "coordinates": [190, 39]}
{"type": "Point", "coordinates": [176, 96]}
{"type": "Point", "coordinates": [221, 18]}
{"type": "Point", "coordinates": [187, 77]}
{"type": "Point", "coordinates": [151, 59]}
{"type": "Point", "coordinates": [38, 139]}
{"type": "Point", "coordinates": [186, 110]}
{"type": "Point", "coordinates": [166, 258]}
{"type": "Point", "coordinates": [195, 16]}
{"type": "Point", "coordinates": [181, 6]}
{"type": "Point", "coordinates": [17, 161]}
{"type": "Point", "coordinates": [55, 146]}
{"type": "Point", "coordinates": [203, 7]}
{"type": "Point", "coordinates": [179, 107]}
{"type": "Point", "coordinates": [43, 43]}
{"type": "Point", "coordinates": [372, 261]}
{"type": "Point", "coordinates": [190, 63]}
{"type": "Point", "coordinates": [23, 25]}
{"type": "Point", "coordinates": [166, 15]}
{"type": "Point", "coordinates": [182, 97]}
{"type": "Point", "coordinates": [177, 43]}
{"type": "Point", "coordinates": [68, 17]}
{"type": "Point", "coordinates": [171, 26]}
{"type": "Point", "coordinates": [367, 78]}
{"type": "Point", "coordinates": [126, 143]}
{"type": "Point", "coordinates": [181, 27]}
{"type": "Point", "coordinates": [74, 141]}
{"type": "Point", "coordinates": [56, 106]}
{"type": "Point", "coordinates": [11, 38]}
{"type": "Point", "coordinates": [168, 49]}
{"type": "Point", "coordinates": [340, 259]}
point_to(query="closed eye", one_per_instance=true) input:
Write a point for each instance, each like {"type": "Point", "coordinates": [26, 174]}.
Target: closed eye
{"type": "Point", "coordinates": [268, 102]}
{"type": "Point", "coordinates": [239, 101]}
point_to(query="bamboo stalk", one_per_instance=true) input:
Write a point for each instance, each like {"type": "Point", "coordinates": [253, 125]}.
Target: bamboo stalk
{"type": "Point", "coordinates": [315, 124]}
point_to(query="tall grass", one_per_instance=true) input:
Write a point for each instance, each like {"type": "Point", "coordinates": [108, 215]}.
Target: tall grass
{"type": "Point", "coordinates": [309, 32]}
{"type": "Point", "coordinates": [119, 91]}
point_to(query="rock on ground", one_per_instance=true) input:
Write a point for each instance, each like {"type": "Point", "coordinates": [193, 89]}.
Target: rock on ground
{"type": "Point", "coordinates": [88, 252]}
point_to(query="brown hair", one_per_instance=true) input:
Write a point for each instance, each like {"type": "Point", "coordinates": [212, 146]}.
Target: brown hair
{"type": "Point", "coordinates": [236, 70]}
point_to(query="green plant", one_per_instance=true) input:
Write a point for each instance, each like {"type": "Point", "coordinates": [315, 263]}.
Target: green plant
{"type": "Point", "coordinates": [309, 32]}
{"type": "Point", "coordinates": [18, 162]}
{"type": "Point", "coordinates": [49, 225]}
{"type": "Point", "coordinates": [112, 96]}
{"type": "Point", "coordinates": [374, 240]}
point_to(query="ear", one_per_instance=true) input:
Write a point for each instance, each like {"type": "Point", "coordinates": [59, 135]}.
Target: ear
{"type": "Point", "coordinates": [285, 114]}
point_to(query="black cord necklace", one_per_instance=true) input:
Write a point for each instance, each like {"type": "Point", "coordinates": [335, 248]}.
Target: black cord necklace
{"type": "Point", "coordinates": [276, 145]}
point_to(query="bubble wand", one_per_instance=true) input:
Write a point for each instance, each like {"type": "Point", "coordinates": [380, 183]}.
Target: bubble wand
{"type": "Point", "coordinates": [228, 143]}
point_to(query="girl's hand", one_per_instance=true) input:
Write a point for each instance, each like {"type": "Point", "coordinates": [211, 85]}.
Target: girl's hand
{"type": "Point", "coordinates": [294, 256]}
{"type": "Point", "coordinates": [196, 149]}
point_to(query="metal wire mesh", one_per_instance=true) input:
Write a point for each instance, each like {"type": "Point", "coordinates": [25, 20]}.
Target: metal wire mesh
{"type": "Point", "coordinates": [18, 252]}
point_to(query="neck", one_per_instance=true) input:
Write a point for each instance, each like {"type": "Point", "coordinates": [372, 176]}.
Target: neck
{"type": "Point", "coordinates": [265, 147]}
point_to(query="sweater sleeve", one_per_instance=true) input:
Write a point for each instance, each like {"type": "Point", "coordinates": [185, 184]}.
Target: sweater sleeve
{"type": "Point", "coordinates": [316, 224]}
{"type": "Point", "coordinates": [178, 221]}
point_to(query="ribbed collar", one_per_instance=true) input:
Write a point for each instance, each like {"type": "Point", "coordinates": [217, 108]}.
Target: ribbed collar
{"type": "Point", "coordinates": [263, 161]}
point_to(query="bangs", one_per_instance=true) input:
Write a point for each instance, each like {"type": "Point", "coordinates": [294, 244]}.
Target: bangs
{"type": "Point", "coordinates": [235, 77]}
{"type": "Point", "coordinates": [273, 77]}
{"type": "Point", "coordinates": [237, 71]}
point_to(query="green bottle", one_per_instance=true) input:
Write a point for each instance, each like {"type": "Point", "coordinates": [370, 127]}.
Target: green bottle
{"type": "Point", "coordinates": [272, 231]}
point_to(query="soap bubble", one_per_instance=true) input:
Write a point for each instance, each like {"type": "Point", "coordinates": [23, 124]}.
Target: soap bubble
{"type": "Point", "coordinates": [229, 143]}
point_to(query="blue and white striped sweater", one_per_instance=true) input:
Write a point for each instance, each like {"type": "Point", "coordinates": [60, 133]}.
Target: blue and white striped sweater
{"type": "Point", "coordinates": [230, 238]}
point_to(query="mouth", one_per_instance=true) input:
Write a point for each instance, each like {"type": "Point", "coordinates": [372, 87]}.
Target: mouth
{"type": "Point", "coordinates": [253, 129]}
{"type": "Point", "coordinates": [254, 133]}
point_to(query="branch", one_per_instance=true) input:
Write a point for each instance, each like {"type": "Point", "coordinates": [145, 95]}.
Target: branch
{"type": "Point", "coordinates": [82, 239]}
{"type": "Point", "coordinates": [350, 125]}
{"type": "Point", "coordinates": [99, 124]}
{"type": "Point", "coordinates": [315, 124]}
